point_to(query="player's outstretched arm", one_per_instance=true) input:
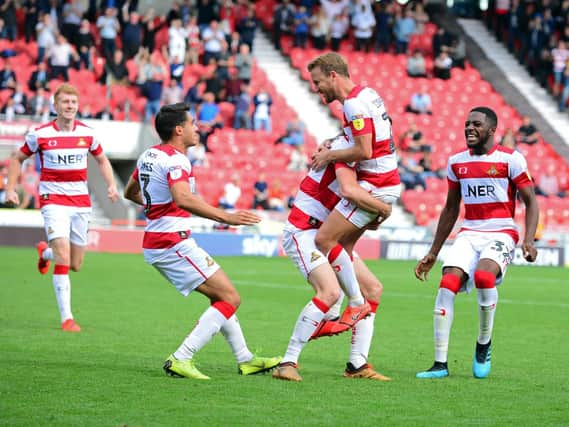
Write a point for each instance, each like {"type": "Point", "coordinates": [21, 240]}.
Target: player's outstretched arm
{"type": "Point", "coordinates": [191, 203]}
{"type": "Point", "coordinates": [108, 176]}
{"type": "Point", "coordinates": [352, 191]}
{"type": "Point", "coordinates": [132, 191]}
{"type": "Point", "coordinates": [14, 170]}
{"type": "Point", "coordinates": [527, 194]}
{"type": "Point", "coordinates": [447, 220]}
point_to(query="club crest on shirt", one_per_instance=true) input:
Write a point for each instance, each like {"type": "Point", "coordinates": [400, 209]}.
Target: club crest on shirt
{"type": "Point", "coordinates": [49, 230]}
{"type": "Point", "coordinates": [209, 261]}
{"type": "Point", "coordinates": [81, 143]}
{"type": "Point", "coordinates": [358, 122]}
{"type": "Point", "coordinates": [314, 256]}
{"type": "Point", "coordinates": [492, 171]}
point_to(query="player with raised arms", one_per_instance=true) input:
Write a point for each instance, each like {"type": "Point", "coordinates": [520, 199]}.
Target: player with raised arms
{"type": "Point", "coordinates": [164, 184]}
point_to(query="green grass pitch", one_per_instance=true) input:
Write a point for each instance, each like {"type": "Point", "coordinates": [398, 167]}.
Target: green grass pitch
{"type": "Point", "coordinates": [132, 319]}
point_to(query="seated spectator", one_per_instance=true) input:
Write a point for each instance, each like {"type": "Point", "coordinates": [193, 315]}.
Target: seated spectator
{"type": "Point", "coordinates": [294, 133]}
{"type": "Point", "coordinates": [116, 72]}
{"type": "Point", "coordinates": [39, 78]}
{"type": "Point", "coordinates": [262, 113]}
{"type": "Point", "coordinates": [9, 110]}
{"type": "Point", "coordinates": [457, 52]}
{"type": "Point", "coordinates": [527, 133]}
{"type": "Point", "coordinates": [105, 114]}
{"type": "Point", "coordinates": [420, 103]}
{"type": "Point", "coordinates": [39, 104]}
{"type": "Point", "coordinates": [20, 99]}
{"type": "Point", "coordinates": [7, 76]}
{"type": "Point", "coordinates": [260, 193]}
{"type": "Point", "coordinates": [208, 118]}
{"type": "Point", "coordinates": [412, 140]}
{"type": "Point", "coordinates": [548, 183]}
{"type": "Point", "coordinates": [298, 160]}
{"type": "Point", "coordinates": [177, 70]}
{"type": "Point", "coordinates": [60, 58]}
{"type": "Point", "coordinates": [242, 117]}
{"type": "Point", "coordinates": [416, 66]}
{"type": "Point", "coordinates": [30, 180]}
{"type": "Point", "coordinates": [231, 193]}
{"type": "Point", "coordinates": [85, 112]}
{"type": "Point", "coordinates": [276, 197]}
{"type": "Point", "coordinates": [197, 155]}
{"type": "Point", "coordinates": [233, 87]}
{"type": "Point", "coordinates": [508, 140]}
{"type": "Point", "coordinates": [426, 162]}
{"type": "Point", "coordinates": [410, 173]}
{"type": "Point", "coordinates": [172, 94]}
{"type": "Point", "coordinates": [442, 66]}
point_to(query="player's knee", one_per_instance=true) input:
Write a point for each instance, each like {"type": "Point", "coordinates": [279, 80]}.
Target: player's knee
{"type": "Point", "coordinates": [234, 299]}
{"type": "Point", "coordinates": [323, 242]}
{"type": "Point", "coordinates": [373, 293]}
{"type": "Point", "coordinates": [451, 282]}
{"type": "Point", "coordinates": [329, 296]}
{"type": "Point", "coordinates": [484, 279]}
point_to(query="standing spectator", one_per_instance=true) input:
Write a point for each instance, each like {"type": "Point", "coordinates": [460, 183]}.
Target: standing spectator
{"type": "Point", "coordinates": [132, 32]}
{"type": "Point", "coordinates": [560, 56]}
{"type": "Point", "coordinates": [213, 83]}
{"type": "Point", "coordinates": [403, 28]}
{"type": "Point", "coordinates": [262, 113]}
{"type": "Point", "coordinates": [442, 66]}
{"type": "Point", "coordinates": [85, 44]}
{"type": "Point", "coordinates": [20, 99]}
{"type": "Point", "coordinates": [301, 21]}
{"type": "Point", "coordinates": [421, 18]}
{"type": "Point", "coordinates": [108, 26]}
{"type": "Point", "coordinates": [194, 40]}
{"type": "Point", "coordinates": [261, 193]}
{"type": "Point", "coordinates": [234, 43]}
{"type": "Point", "coordinates": [227, 16]}
{"type": "Point", "coordinates": [212, 38]}
{"type": "Point", "coordinates": [338, 29]}
{"type": "Point", "coordinates": [416, 66]}
{"type": "Point", "coordinates": [8, 14]}
{"type": "Point", "coordinates": [242, 118]}
{"type": "Point", "coordinates": [152, 89]}
{"type": "Point", "coordinates": [197, 155]}
{"type": "Point", "coordinates": [31, 12]}
{"type": "Point", "coordinates": [548, 183]}
{"type": "Point", "coordinates": [60, 56]}
{"type": "Point", "coordinates": [231, 193]}
{"type": "Point", "coordinates": [224, 60]}
{"type": "Point", "coordinates": [105, 114]}
{"type": "Point", "coordinates": [177, 41]}
{"type": "Point", "coordinates": [244, 63]}
{"type": "Point", "coordinates": [39, 103]}
{"type": "Point", "coordinates": [177, 69]}
{"type": "Point", "coordinates": [319, 29]}
{"type": "Point", "coordinates": [248, 26]}
{"type": "Point", "coordinates": [72, 13]}
{"type": "Point", "coordinates": [420, 103]}
{"type": "Point", "coordinates": [283, 19]}
{"type": "Point", "coordinates": [116, 72]}
{"type": "Point", "coordinates": [527, 133]}
{"type": "Point", "coordinates": [384, 26]}
{"type": "Point", "coordinates": [441, 41]}
{"type": "Point", "coordinates": [457, 52]}
{"type": "Point", "coordinates": [208, 118]}
{"type": "Point", "coordinates": [508, 140]}
{"type": "Point", "coordinates": [46, 31]}
{"type": "Point", "coordinates": [207, 12]}
{"type": "Point", "coordinates": [150, 26]}
{"type": "Point", "coordinates": [363, 22]}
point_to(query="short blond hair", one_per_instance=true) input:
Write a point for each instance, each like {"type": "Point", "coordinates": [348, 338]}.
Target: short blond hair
{"type": "Point", "coordinates": [328, 62]}
{"type": "Point", "coordinates": [66, 88]}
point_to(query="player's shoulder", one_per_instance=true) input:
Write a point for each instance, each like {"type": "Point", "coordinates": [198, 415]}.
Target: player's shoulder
{"type": "Point", "coordinates": [460, 157]}
{"type": "Point", "coordinates": [509, 154]}
{"type": "Point", "coordinates": [43, 127]}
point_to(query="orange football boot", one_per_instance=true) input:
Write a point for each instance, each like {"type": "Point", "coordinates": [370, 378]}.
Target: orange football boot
{"type": "Point", "coordinates": [43, 264]}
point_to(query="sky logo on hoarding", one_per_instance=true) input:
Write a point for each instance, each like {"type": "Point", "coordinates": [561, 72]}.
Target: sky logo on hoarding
{"type": "Point", "coordinates": [264, 246]}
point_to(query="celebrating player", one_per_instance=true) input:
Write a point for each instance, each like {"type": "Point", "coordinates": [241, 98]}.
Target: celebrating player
{"type": "Point", "coordinates": [487, 177]}
{"type": "Point", "coordinates": [368, 129]}
{"type": "Point", "coordinates": [318, 194]}
{"type": "Point", "coordinates": [163, 183]}
{"type": "Point", "coordinates": [63, 145]}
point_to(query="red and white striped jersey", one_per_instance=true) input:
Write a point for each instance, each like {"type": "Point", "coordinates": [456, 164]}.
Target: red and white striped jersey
{"type": "Point", "coordinates": [365, 113]}
{"type": "Point", "coordinates": [319, 192]}
{"type": "Point", "coordinates": [157, 169]}
{"type": "Point", "coordinates": [63, 160]}
{"type": "Point", "coordinates": [488, 185]}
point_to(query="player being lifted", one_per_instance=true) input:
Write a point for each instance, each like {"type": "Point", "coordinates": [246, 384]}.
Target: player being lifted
{"type": "Point", "coordinates": [318, 194]}
{"type": "Point", "coordinates": [487, 177]}
{"type": "Point", "coordinates": [367, 127]}
{"type": "Point", "coordinates": [164, 184]}
{"type": "Point", "coordinates": [63, 145]}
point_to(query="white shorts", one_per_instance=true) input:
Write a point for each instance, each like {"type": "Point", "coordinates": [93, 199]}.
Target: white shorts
{"type": "Point", "coordinates": [300, 248]}
{"type": "Point", "coordinates": [359, 217]}
{"type": "Point", "coordinates": [186, 266]}
{"type": "Point", "coordinates": [470, 247]}
{"type": "Point", "coordinates": [66, 221]}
